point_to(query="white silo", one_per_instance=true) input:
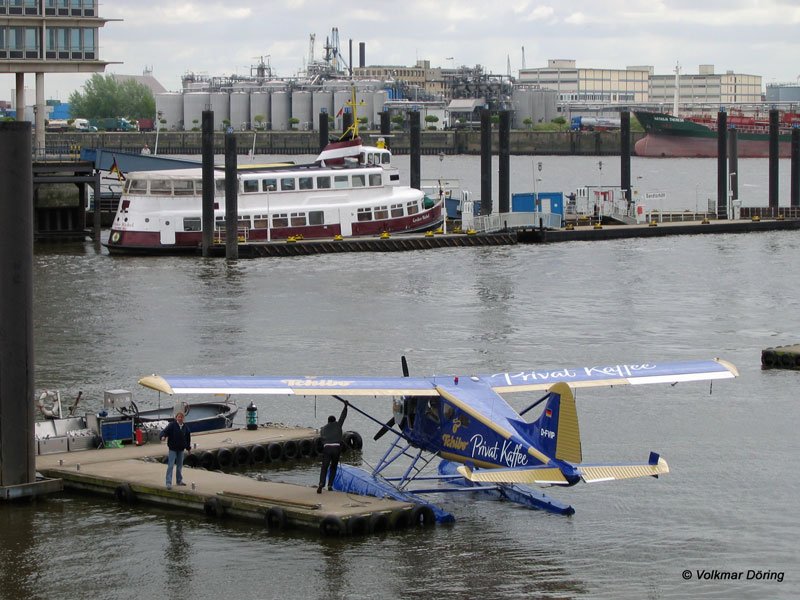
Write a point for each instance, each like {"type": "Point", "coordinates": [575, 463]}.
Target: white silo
{"type": "Point", "coordinates": [320, 101]}
{"type": "Point", "coordinates": [221, 105]}
{"type": "Point", "coordinates": [340, 100]}
{"type": "Point", "coordinates": [240, 111]}
{"type": "Point", "coordinates": [281, 110]}
{"type": "Point", "coordinates": [301, 110]}
{"type": "Point", "coordinates": [365, 108]}
{"type": "Point", "coordinates": [170, 106]}
{"type": "Point", "coordinates": [194, 103]}
{"type": "Point", "coordinates": [379, 98]}
{"type": "Point", "coordinates": [260, 107]}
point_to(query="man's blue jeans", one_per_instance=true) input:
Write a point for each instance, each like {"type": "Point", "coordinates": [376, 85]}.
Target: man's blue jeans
{"type": "Point", "coordinates": [175, 458]}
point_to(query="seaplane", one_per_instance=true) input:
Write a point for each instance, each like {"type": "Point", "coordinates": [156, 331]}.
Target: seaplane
{"type": "Point", "coordinates": [486, 446]}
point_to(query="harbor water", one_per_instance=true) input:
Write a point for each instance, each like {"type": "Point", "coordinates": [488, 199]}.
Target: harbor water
{"type": "Point", "coordinates": [727, 507]}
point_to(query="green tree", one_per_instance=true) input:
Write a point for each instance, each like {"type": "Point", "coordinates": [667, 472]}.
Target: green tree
{"type": "Point", "coordinates": [292, 122]}
{"type": "Point", "coordinates": [103, 96]}
{"type": "Point", "coordinates": [527, 121]}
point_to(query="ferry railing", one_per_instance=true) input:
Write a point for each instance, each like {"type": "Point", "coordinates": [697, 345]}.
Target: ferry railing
{"type": "Point", "coordinates": [242, 235]}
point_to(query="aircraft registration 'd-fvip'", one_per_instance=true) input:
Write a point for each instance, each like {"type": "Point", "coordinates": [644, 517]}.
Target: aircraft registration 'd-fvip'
{"type": "Point", "coordinates": [464, 420]}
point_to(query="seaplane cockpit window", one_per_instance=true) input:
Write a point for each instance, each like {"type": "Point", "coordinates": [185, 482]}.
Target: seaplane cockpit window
{"type": "Point", "coordinates": [397, 210]}
{"type": "Point", "coordinates": [269, 185]}
{"type": "Point", "coordinates": [183, 187]}
{"type": "Point", "coordinates": [412, 208]}
{"type": "Point", "coordinates": [375, 179]}
{"type": "Point", "coordinates": [250, 185]}
{"type": "Point", "coordinates": [381, 212]}
{"type": "Point", "coordinates": [359, 181]}
{"type": "Point", "coordinates": [316, 217]}
{"type": "Point", "coordinates": [340, 182]}
{"type": "Point", "coordinates": [448, 411]}
{"type": "Point", "coordinates": [160, 187]}
{"type": "Point", "coordinates": [298, 219]}
{"type": "Point", "coordinates": [365, 214]}
{"type": "Point", "coordinates": [432, 412]}
{"type": "Point", "coordinates": [137, 186]}
{"type": "Point", "coordinates": [280, 220]}
{"type": "Point", "coordinates": [323, 182]}
{"type": "Point", "coordinates": [306, 183]}
{"type": "Point", "coordinates": [287, 183]}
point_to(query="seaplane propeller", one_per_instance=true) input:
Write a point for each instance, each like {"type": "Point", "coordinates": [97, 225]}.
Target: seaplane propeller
{"type": "Point", "coordinates": [391, 422]}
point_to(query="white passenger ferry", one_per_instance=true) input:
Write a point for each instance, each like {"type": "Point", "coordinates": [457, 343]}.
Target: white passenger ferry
{"type": "Point", "coordinates": [351, 190]}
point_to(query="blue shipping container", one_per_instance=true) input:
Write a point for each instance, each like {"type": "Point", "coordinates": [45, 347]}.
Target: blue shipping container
{"type": "Point", "coordinates": [552, 202]}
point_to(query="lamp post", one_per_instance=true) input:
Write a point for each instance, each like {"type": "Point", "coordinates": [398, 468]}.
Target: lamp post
{"type": "Point", "coordinates": [442, 194]}
{"type": "Point", "coordinates": [731, 179]}
{"type": "Point", "coordinates": [159, 116]}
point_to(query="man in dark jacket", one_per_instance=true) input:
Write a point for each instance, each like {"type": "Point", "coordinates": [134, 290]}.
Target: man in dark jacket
{"type": "Point", "coordinates": [179, 438]}
{"type": "Point", "coordinates": [332, 437]}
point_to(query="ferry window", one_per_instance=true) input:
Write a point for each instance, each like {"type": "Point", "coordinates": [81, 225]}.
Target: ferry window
{"type": "Point", "coordinates": [219, 185]}
{"type": "Point", "coordinates": [198, 187]}
{"type": "Point", "coordinates": [298, 219]}
{"type": "Point", "coordinates": [269, 185]}
{"type": "Point", "coordinates": [260, 221]}
{"type": "Point", "coordinates": [365, 214]}
{"type": "Point", "coordinates": [316, 217]}
{"type": "Point", "coordinates": [374, 179]}
{"type": "Point", "coordinates": [183, 187]}
{"type": "Point", "coordinates": [192, 224]}
{"type": "Point", "coordinates": [340, 182]}
{"type": "Point", "coordinates": [161, 187]}
{"type": "Point", "coordinates": [138, 185]}
{"type": "Point", "coordinates": [385, 158]}
{"type": "Point", "coordinates": [306, 183]}
{"type": "Point", "coordinates": [280, 220]}
{"type": "Point", "coordinates": [250, 185]}
{"type": "Point", "coordinates": [287, 183]}
{"type": "Point", "coordinates": [358, 181]}
{"type": "Point", "coordinates": [381, 212]}
{"type": "Point", "coordinates": [397, 210]}
{"type": "Point", "coordinates": [219, 222]}
{"type": "Point", "coordinates": [323, 182]}
{"type": "Point", "coordinates": [412, 208]}
{"type": "Point", "coordinates": [243, 222]}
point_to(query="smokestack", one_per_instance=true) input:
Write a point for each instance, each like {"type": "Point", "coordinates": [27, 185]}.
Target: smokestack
{"type": "Point", "coordinates": [351, 57]}
{"type": "Point", "coordinates": [362, 53]}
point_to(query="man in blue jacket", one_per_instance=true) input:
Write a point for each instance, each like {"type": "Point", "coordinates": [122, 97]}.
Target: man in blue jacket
{"type": "Point", "coordinates": [179, 438]}
{"type": "Point", "coordinates": [332, 436]}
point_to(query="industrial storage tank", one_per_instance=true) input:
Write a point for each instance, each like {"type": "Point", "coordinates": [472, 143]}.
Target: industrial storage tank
{"type": "Point", "coordinates": [240, 111]}
{"type": "Point", "coordinates": [340, 99]}
{"type": "Point", "coordinates": [281, 110]}
{"type": "Point", "coordinates": [320, 101]}
{"type": "Point", "coordinates": [532, 103]}
{"type": "Point", "coordinates": [379, 98]}
{"type": "Point", "coordinates": [260, 107]}
{"type": "Point", "coordinates": [194, 103]}
{"type": "Point", "coordinates": [170, 107]}
{"type": "Point", "coordinates": [301, 110]}
{"type": "Point", "coordinates": [221, 105]}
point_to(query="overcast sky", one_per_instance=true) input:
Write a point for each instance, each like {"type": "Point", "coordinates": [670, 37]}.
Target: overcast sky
{"type": "Point", "coordinates": [758, 37]}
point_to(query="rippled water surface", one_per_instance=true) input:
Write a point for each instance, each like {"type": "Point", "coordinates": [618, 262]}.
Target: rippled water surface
{"type": "Point", "coordinates": [728, 504]}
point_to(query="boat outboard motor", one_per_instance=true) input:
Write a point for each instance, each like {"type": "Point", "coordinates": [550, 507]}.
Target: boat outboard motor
{"type": "Point", "coordinates": [252, 416]}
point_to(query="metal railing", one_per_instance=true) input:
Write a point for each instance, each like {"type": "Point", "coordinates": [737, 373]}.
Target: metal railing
{"type": "Point", "coordinates": [517, 220]}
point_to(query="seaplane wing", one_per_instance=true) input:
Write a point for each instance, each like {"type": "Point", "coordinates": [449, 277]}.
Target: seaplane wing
{"type": "Point", "coordinates": [297, 386]}
{"type": "Point", "coordinates": [526, 475]}
{"type": "Point", "coordinates": [622, 374]}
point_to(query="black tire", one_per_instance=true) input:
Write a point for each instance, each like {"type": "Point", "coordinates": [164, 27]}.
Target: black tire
{"type": "Point", "coordinates": [208, 460]}
{"type": "Point", "coordinates": [259, 454]}
{"type": "Point", "coordinates": [290, 450]}
{"type": "Point", "coordinates": [224, 458]}
{"type": "Point", "coordinates": [213, 507]}
{"type": "Point", "coordinates": [787, 360]}
{"type": "Point", "coordinates": [306, 448]}
{"type": "Point", "coordinates": [191, 460]}
{"type": "Point", "coordinates": [125, 494]}
{"type": "Point", "coordinates": [378, 523]}
{"type": "Point", "coordinates": [422, 515]}
{"type": "Point", "coordinates": [353, 441]}
{"type": "Point", "coordinates": [358, 525]}
{"type": "Point", "coordinates": [275, 519]}
{"type": "Point", "coordinates": [318, 444]}
{"type": "Point", "coordinates": [241, 456]}
{"type": "Point", "coordinates": [275, 451]}
{"type": "Point", "coordinates": [768, 358]}
{"type": "Point", "coordinates": [400, 519]}
{"type": "Point", "coordinates": [332, 526]}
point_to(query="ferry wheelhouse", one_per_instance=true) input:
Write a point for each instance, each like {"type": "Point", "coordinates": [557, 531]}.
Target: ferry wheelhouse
{"type": "Point", "coordinates": [351, 190]}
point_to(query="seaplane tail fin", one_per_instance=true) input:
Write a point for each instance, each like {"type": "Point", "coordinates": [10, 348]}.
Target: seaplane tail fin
{"type": "Point", "coordinates": [527, 475]}
{"type": "Point", "coordinates": [594, 473]}
{"type": "Point", "coordinates": [556, 431]}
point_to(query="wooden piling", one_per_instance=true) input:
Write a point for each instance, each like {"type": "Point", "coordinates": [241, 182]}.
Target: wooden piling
{"type": "Point", "coordinates": [231, 198]}
{"type": "Point", "coordinates": [208, 180]}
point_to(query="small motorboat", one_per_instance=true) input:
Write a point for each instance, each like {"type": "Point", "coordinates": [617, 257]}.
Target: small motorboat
{"type": "Point", "coordinates": [201, 416]}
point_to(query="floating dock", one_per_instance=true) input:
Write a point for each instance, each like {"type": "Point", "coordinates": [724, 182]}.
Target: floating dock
{"type": "Point", "coordinates": [135, 474]}
{"type": "Point", "coordinates": [781, 357]}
